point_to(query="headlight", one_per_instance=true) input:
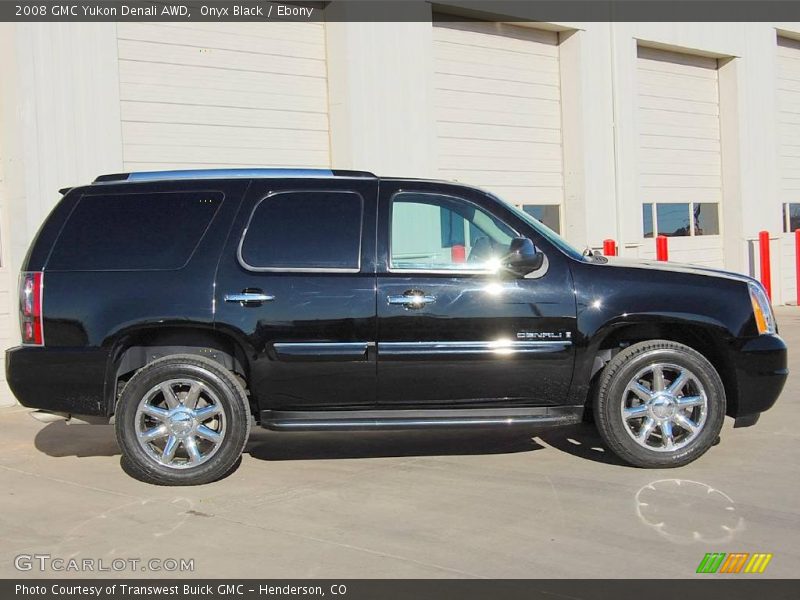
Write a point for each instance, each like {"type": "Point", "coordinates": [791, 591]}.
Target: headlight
{"type": "Point", "coordinates": [762, 310]}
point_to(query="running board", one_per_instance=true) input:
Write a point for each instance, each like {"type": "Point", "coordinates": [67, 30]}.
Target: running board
{"type": "Point", "coordinates": [344, 420]}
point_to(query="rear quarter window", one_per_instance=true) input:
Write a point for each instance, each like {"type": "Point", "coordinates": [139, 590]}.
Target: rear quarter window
{"type": "Point", "coordinates": [304, 231]}
{"type": "Point", "coordinates": [137, 231]}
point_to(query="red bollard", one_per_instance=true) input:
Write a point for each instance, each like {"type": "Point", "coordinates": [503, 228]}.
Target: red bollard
{"type": "Point", "coordinates": [609, 248]}
{"type": "Point", "coordinates": [458, 253]}
{"type": "Point", "coordinates": [662, 250]}
{"type": "Point", "coordinates": [763, 250]}
{"type": "Point", "coordinates": [797, 262]}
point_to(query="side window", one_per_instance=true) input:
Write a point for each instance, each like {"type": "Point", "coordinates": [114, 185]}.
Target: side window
{"type": "Point", "coordinates": [309, 230]}
{"type": "Point", "coordinates": [140, 231]}
{"type": "Point", "coordinates": [439, 232]}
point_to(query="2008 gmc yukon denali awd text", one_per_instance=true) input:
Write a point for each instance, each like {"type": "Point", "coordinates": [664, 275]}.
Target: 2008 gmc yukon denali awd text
{"type": "Point", "coordinates": [184, 303]}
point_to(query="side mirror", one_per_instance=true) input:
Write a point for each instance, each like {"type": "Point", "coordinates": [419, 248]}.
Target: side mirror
{"type": "Point", "coordinates": [523, 257]}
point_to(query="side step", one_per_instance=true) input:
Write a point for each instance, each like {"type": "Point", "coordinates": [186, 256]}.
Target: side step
{"type": "Point", "coordinates": [344, 420]}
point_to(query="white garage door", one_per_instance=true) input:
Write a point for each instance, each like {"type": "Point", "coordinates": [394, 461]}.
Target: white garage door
{"type": "Point", "coordinates": [195, 95]}
{"type": "Point", "coordinates": [680, 174]}
{"type": "Point", "coordinates": [788, 97]}
{"type": "Point", "coordinates": [498, 112]}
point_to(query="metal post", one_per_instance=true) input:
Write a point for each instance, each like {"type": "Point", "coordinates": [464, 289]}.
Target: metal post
{"type": "Point", "coordinates": [662, 248]}
{"type": "Point", "coordinates": [763, 250]}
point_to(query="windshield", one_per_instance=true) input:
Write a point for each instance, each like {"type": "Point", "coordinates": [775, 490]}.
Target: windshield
{"type": "Point", "coordinates": [547, 233]}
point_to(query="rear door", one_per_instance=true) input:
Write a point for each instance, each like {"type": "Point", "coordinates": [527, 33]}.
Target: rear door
{"type": "Point", "coordinates": [296, 284]}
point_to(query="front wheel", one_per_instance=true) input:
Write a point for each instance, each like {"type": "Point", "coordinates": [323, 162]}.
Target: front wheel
{"type": "Point", "coordinates": [182, 420]}
{"type": "Point", "coordinates": [659, 404]}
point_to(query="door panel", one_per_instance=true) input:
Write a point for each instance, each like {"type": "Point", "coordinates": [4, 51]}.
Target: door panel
{"type": "Point", "coordinates": [312, 343]}
{"type": "Point", "coordinates": [464, 336]}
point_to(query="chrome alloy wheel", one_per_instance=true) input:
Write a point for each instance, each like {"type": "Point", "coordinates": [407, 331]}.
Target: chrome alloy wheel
{"type": "Point", "coordinates": [180, 423]}
{"type": "Point", "coordinates": [664, 407]}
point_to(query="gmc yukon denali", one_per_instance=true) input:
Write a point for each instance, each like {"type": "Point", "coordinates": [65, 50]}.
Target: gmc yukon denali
{"type": "Point", "coordinates": [183, 305]}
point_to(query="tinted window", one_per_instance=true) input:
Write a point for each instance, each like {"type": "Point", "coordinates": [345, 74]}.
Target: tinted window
{"type": "Point", "coordinates": [157, 231]}
{"type": "Point", "coordinates": [435, 232]}
{"type": "Point", "coordinates": [304, 230]}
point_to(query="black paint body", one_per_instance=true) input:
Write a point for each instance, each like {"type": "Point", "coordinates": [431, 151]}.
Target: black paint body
{"type": "Point", "coordinates": [331, 342]}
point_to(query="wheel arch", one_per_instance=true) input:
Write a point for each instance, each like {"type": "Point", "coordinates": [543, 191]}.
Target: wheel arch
{"type": "Point", "coordinates": [143, 345]}
{"type": "Point", "coordinates": [707, 338]}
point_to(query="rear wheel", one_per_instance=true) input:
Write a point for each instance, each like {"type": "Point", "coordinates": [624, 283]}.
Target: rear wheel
{"type": "Point", "coordinates": [182, 420]}
{"type": "Point", "coordinates": [659, 404]}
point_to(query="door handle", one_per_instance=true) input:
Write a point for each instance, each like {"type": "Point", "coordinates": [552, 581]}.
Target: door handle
{"type": "Point", "coordinates": [412, 299]}
{"type": "Point", "coordinates": [249, 298]}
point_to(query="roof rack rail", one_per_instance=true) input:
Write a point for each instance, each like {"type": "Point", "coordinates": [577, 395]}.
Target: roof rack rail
{"type": "Point", "coordinates": [257, 173]}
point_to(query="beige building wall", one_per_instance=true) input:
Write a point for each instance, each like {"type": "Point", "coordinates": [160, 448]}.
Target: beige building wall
{"type": "Point", "coordinates": [60, 126]}
{"type": "Point", "coordinates": [7, 295]}
{"type": "Point", "coordinates": [747, 56]}
{"type": "Point", "coordinates": [63, 120]}
{"type": "Point", "coordinates": [380, 94]}
{"type": "Point", "coordinates": [788, 117]}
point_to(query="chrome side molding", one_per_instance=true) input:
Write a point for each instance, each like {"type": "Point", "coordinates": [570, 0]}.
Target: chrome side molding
{"type": "Point", "coordinates": [500, 347]}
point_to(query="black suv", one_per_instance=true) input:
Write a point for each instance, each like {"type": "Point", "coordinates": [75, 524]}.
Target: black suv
{"type": "Point", "coordinates": [181, 304]}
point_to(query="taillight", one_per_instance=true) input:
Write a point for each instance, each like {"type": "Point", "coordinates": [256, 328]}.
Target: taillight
{"type": "Point", "coordinates": [30, 308]}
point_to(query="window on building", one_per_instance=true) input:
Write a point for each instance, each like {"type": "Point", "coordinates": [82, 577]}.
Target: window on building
{"type": "Point", "coordinates": [548, 214]}
{"type": "Point", "coordinates": [647, 220]}
{"type": "Point", "coordinates": [672, 220]}
{"type": "Point", "coordinates": [304, 230]}
{"type": "Point", "coordinates": [705, 218]}
{"type": "Point", "coordinates": [791, 217]}
{"type": "Point", "coordinates": [436, 232]}
{"type": "Point", "coordinates": [680, 219]}
{"type": "Point", "coordinates": [153, 231]}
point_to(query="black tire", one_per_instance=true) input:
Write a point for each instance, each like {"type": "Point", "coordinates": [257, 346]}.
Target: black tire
{"type": "Point", "coordinates": [614, 429]}
{"type": "Point", "coordinates": [229, 394]}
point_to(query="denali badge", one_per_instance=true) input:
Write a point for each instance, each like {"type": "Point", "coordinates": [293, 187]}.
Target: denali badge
{"type": "Point", "coordinates": [544, 335]}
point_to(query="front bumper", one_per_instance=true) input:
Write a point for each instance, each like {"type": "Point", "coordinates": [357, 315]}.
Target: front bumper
{"type": "Point", "coordinates": [65, 380]}
{"type": "Point", "coordinates": [761, 372]}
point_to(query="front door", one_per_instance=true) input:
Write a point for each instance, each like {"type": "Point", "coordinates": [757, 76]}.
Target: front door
{"type": "Point", "coordinates": [455, 329]}
{"type": "Point", "coordinates": [296, 284]}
